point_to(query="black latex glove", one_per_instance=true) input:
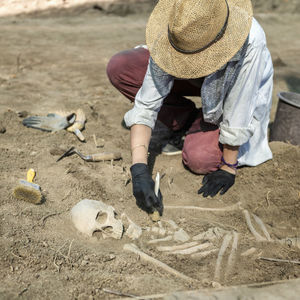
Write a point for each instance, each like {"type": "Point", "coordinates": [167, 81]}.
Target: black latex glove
{"type": "Point", "coordinates": [143, 189]}
{"type": "Point", "coordinates": [216, 181]}
{"type": "Point", "coordinates": [51, 122]}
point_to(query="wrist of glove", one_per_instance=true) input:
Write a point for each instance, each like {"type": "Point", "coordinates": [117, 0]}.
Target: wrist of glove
{"type": "Point", "coordinates": [143, 189]}
{"type": "Point", "coordinates": [217, 181]}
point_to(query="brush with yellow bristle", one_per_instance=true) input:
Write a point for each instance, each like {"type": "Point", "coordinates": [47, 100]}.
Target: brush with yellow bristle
{"type": "Point", "coordinates": [27, 190]}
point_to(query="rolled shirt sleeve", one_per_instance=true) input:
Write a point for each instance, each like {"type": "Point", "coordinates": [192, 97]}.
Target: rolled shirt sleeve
{"type": "Point", "coordinates": [156, 86]}
{"type": "Point", "coordinates": [248, 102]}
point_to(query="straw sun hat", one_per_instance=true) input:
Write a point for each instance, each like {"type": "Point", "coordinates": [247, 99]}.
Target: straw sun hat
{"type": "Point", "coordinates": [194, 38]}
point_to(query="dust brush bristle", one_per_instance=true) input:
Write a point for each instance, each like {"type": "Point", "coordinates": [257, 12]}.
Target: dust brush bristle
{"type": "Point", "coordinates": [27, 194]}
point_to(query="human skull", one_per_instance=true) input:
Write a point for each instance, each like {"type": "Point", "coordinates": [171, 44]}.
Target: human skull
{"type": "Point", "coordinates": [89, 216]}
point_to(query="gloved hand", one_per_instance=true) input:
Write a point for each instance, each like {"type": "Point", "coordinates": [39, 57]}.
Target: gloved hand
{"type": "Point", "coordinates": [143, 189]}
{"type": "Point", "coordinates": [216, 181]}
{"type": "Point", "coordinates": [51, 122]}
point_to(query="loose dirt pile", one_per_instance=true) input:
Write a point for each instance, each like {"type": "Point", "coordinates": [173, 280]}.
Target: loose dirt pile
{"type": "Point", "coordinates": [58, 62]}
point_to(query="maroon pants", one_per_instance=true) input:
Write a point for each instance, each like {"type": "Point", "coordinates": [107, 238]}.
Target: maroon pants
{"type": "Point", "coordinates": [201, 150]}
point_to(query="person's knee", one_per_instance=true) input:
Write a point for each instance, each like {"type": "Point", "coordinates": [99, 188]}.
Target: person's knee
{"type": "Point", "coordinates": [115, 68]}
{"type": "Point", "coordinates": [201, 161]}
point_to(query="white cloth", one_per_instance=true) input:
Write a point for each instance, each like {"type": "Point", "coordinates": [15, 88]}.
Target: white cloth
{"type": "Point", "coordinates": [244, 110]}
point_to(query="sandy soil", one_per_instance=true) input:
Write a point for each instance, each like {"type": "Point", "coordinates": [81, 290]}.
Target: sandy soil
{"type": "Point", "coordinates": [51, 61]}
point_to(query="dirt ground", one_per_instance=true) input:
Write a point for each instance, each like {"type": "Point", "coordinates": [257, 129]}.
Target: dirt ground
{"type": "Point", "coordinates": [57, 60]}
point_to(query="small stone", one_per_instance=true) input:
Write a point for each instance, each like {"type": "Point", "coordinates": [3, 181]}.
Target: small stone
{"type": "Point", "coordinates": [22, 114]}
{"type": "Point", "coordinates": [216, 285]}
{"type": "Point", "coordinates": [84, 263]}
{"type": "Point", "coordinates": [2, 129]}
{"type": "Point", "coordinates": [112, 256]}
{"type": "Point", "coordinates": [206, 282]}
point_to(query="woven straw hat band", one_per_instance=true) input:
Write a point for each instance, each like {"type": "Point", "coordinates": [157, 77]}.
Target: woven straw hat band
{"type": "Point", "coordinates": [194, 26]}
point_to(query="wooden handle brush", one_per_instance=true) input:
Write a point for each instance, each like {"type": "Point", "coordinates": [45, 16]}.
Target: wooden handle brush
{"type": "Point", "coordinates": [27, 190]}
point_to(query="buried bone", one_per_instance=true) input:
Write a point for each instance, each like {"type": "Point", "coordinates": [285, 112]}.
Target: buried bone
{"type": "Point", "coordinates": [249, 252]}
{"type": "Point", "coordinates": [89, 216]}
{"type": "Point", "coordinates": [177, 247]}
{"type": "Point", "coordinates": [191, 250]}
{"type": "Point", "coordinates": [181, 236]}
{"type": "Point", "coordinates": [211, 234]}
{"type": "Point", "coordinates": [165, 239]}
{"type": "Point", "coordinates": [257, 236]}
{"type": "Point", "coordinates": [232, 255]}
{"type": "Point", "coordinates": [133, 231]}
{"type": "Point", "coordinates": [223, 248]}
{"type": "Point", "coordinates": [171, 223]}
{"type": "Point", "coordinates": [262, 226]}
{"type": "Point", "coordinates": [133, 248]}
{"type": "Point", "coordinates": [203, 254]}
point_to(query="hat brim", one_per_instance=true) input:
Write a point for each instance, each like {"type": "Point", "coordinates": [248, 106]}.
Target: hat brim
{"type": "Point", "coordinates": [207, 61]}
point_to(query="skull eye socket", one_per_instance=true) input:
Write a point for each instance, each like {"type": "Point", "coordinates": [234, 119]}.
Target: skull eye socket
{"type": "Point", "coordinates": [101, 217]}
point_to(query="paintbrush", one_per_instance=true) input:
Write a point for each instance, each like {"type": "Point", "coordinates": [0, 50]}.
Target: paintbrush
{"type": "Point", "coordinates": [27, 190]}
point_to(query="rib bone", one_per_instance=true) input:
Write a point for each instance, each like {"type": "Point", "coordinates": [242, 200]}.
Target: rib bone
{"type": "Point", "coordinates": [258, 237]}
{"type": "Point", "coordinates": [192, 249]}
{"type": "Point", "coordinates": [133, 248]}
{"type": "Point", "coordinates": [223, 248]}
{"type": "Point", "coordinates": [262, 226]}
{"type": "Point", "coordinates": [232, 255]}
{"type": "Point", "coordinates": [177, 247]}
{"type": "Point", "coordinates": [204, 253]}
{"type": "Point", "coordinates": [165, 239]}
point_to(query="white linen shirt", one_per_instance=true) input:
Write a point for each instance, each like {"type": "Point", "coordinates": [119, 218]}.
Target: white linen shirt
{"type": "Point", "coordinates": [242, 115]}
